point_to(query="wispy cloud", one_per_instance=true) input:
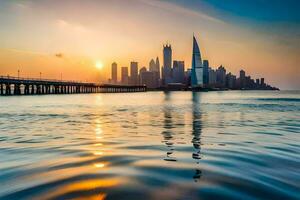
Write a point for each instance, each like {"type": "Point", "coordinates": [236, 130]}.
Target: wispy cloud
{"type": "Point", "coordinates": [180, 10]}
{"type": "Point", "coordinates": [64, 24]}
{"type": "Point", "coordinates": [26, 51]}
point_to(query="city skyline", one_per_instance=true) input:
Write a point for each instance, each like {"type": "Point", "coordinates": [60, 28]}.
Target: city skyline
{"type": "Point", "coordinates": [73, 43]}
{"type": "Point", "coordinates": [173, 76]}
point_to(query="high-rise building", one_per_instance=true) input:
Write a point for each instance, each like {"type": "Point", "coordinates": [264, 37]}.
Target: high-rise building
{"type": "Point", "coordinates": [221, 76]}
{"type": "Point", "coordinates": [124, 75]}
{"type": "Point", "coordinates": [167, 68]}
{"type": "Point", "coordinates": [143, 69]}
{"type": "Point", "coordinates": [257, 82]}
{"type": "Point", "coordinates": [114, 72]}
{"type": "Point", "coordinates": [230, 81]}
{"type": "Point", "coordinates": [152, 65]}
{"type": "Point", "coordinates": [178, 71]}
{"type": "Point", "coordinates": [212, 77]}
{"type": "Point", "coordinates": [157, 67]}
{"type": "Point", "coordinates": [262, 82]}
{"type": "Point", "coordinates": [154, 68]}
{"type": "Point", "coordinates": [133, 73]}
{"type": "Point", "coordinates": [148, 78]}
{"type": "Point", "coordinates": [242, 79]}
{"type": "Point", "coordinates": [205, 72]}
{"type": "Point", "coordinates": [187, 77]}
{"type": "Point", "coordinates": [197, 68]}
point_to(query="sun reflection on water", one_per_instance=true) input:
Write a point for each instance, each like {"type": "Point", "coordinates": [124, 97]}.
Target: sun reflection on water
{"type": "Point", "coordinates": [99, 165]}
{"type": "Point", "coordinates": [86, 185]}
{"type": "Point", "coordinates": [98, 153]}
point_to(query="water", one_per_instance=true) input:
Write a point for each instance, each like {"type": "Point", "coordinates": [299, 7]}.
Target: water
{"type": "Point", "coordinates": [154, 145]}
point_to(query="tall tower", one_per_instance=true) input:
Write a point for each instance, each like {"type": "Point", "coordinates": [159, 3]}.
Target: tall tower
{"type": "Point", "coordinates": [124, 75]}
{"type": "Point", "coordinates": [178, 71]}
{"type": "Point", "coordinates": [157, 67]}
{"type": "Point", "coordinates": [167, 68]}
{"type": "Point", "coordinates": [154, 69]}
{"type": "Point", "coordinates": [197, 67]}
{"type": "Point", "coordinates": [114, 72]}
{"type": "Point", "coordinates": [205, 72]}
{"type": "Point", "coordinates": [242, 78]}
{"type": "Point", "coordinates": [133, 73]}
{"type": "Point", "coordinates": [152, 66]}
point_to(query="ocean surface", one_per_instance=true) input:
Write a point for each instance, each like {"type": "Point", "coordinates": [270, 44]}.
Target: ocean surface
{"type": "Point", "coordinates": [154, 145]}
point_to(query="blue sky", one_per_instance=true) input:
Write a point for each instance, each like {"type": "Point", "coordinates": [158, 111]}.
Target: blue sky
{"type": "Point", "coordinates": [257, 11]}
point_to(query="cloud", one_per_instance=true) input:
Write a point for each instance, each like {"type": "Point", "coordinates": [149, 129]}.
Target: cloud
{"type": "Point", "coordinates": [71, 26]}
{"type": "Point", "coordinates": [181, 10]}
{"type": "Point", "coordinates": [21, 51]}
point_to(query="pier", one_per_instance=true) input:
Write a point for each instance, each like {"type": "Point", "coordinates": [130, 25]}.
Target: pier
{"type": "Point", "coordinates": [32, 86]}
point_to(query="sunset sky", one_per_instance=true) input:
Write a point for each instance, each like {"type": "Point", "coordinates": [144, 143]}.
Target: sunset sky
{"type": "Point", "coordinates": [69, 37]}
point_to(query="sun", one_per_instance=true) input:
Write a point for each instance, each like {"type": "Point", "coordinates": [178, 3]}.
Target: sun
{"type": "Point", "coordinates": [99, 65]}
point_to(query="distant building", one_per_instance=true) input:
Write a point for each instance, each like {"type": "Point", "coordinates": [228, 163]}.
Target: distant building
{"type": "Point", "coordinates": [205, 72]}
{"type": "Point", "coordinates": [124, 75]}
{"type": "Point", "coordinates": [143, 69]}
{"type": "Point", "coordinates": [257, 82]}
{"type": "Point", "coordinates": [212, 77]}
{"type": "Point", "coordinates": [262, 82]}
{"type": "Point", "coordinates": [114, 72]}
{"type": "Point", "coordinates": [230, 81]}
{"type": "Point", "coordinates": [152, 65]}
{"type": "Point", "coordinates": [187, 77]}
{"type": "Point", "coordinates": [148, 78]}
{"type": "Point", "coordinates": [157, 68]}
{"type": "Point", "coordinates": [167, 68]}
{"type": "Point", "coordinates": [197, 67]}
{"type": "Point", "coordinates": [154, 68]}
{"type": "Point", "coordinates": [221, 76]}
{"type": "Point", "coordinates": [178, 71]}
{"type": "Point", "coordinates": [242, 79]}
{"type": "Point", "coordinates": [134, 73]}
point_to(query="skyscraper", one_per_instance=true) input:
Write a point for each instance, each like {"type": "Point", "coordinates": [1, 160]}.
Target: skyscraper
{"type": "Point", "coordinates": [154, 68]}
{"type": "Point", "coordinates": [167, 68]}
{"type": "Point", "coordinates": [221, 76]}
{"type": "Point", "coordinates": [230, 81]}
{"type": "Point", "coordinates": [178, 71]}
{"type": "Point", "coordinates": [124, 75]}
{"type": "Point", "coordinates": [157, 67]}
{"type": "Point", "coordinates": [133, 73]}
{"type": "Point", "coordinates": [262, 81]}
{"type": "Point", "coordinates": [197, 68]}
{"type": "Point", "coordinates": [114, 72]}
{"type": "Point", "coordinates": [147, 78]}
{"type": "Point", "coordinates": [205, 72]}
{"type": "Point", "coordinates": [212, 80]}
{"type": "Point", "coordinates": [242, 79]}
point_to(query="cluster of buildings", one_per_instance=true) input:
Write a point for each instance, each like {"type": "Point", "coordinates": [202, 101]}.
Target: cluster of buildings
{"type": "Point", "coordinates": [172, 74]}
{"type": "Point", "coordinates": [143, 76]}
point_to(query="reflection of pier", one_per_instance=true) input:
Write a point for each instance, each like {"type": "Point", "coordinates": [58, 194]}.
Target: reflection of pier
{"type": "Point", "coordinates": [25, 86]}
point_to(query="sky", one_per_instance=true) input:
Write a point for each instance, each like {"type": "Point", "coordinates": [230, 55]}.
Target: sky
{"type": "Point", "coordinates": [67, 38]}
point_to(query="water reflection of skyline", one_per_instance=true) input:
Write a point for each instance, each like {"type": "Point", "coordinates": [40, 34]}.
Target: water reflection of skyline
{"type": "Point", "coordinates": [196, 132]}
{"type": "Point", "coordinates": [168, 132]}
